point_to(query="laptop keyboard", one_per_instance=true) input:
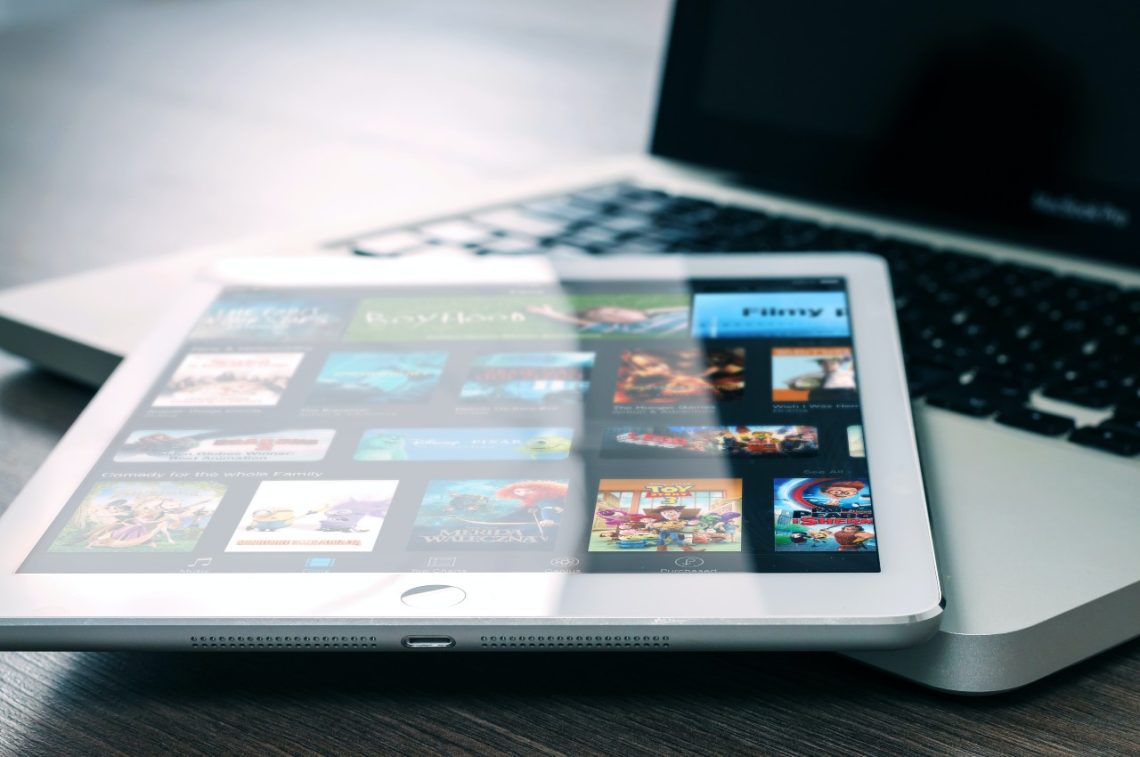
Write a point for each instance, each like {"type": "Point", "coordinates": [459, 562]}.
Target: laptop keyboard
{"type": "Point", "coordinates": [981, 337]}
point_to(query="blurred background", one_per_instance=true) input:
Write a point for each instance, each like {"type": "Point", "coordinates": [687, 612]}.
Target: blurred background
{"type": "Point", "coordinates": [136, 127]}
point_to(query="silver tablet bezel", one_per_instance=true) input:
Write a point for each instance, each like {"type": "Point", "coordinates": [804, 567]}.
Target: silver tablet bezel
{"type": "Point", "coordinates": [906, 589]}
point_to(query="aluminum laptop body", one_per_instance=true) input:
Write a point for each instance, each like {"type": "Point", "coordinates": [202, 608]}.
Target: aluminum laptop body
{"type": "Point", "coordinates": [1033, 517]}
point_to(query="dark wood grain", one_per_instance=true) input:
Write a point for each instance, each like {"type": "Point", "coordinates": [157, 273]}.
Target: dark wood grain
{"type": "Point", "coordinates": [574, 703]}
{"type": "Point", "coordinates": [560, 81]}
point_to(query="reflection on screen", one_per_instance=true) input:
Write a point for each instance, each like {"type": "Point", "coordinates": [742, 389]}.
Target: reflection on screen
{"type": "Point", "coordinates": [696, 427]}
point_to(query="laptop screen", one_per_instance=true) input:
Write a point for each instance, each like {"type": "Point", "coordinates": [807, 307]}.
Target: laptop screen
{"type": "Point", "coordinates": [1015, 119]}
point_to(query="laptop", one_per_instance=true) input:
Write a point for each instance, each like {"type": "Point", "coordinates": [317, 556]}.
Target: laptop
{"type": "Point", "coordinates": [986, 151]}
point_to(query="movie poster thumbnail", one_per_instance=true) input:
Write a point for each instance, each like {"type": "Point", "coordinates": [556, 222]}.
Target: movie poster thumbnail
{"type": "Point", "coordinates": [823, 515]}
{"type": "Point", "coordinates": [369, 379]}
{"type": "Point", "coordinates": [140, 516]}
{"type": "Point", "coordinates": [855, 445]}
{"type": "Point", "coordinates": [313, 516]}
{"type": "Point", "coordinates": [732, 315]}
{"type": "Point", "coordinates": [710, 441]}
{"type": "Point", "coordinates": [603, 316]}
{"type": "Point", "coordinates": [813, 374]}
{"type": "Point", "coordinates": [535, 316]}
{"type": "Point", "coordinates": [230, 379]}
{"type": "Point", "coordinates": [213, 446]}
{"type": "Point", "coordinates": [503, 443]}
{"type": "Point", "coordinates": [505, 515]}
{"type": "Point", "coordinates": [667, 515]}
{"type": "Point", "coordinates": [528, 378]}
{"type": "Point", "coordinates": [679, 377]}
{"type": "Point", "coordinates": [254, 317]}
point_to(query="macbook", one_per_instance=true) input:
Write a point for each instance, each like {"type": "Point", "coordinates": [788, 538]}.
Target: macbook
{"type": "Point", "coordinates": [986, 151]}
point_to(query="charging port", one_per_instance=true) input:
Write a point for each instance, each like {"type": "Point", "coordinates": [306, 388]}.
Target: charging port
{"type": "Point", "coordinates": [428, 642]}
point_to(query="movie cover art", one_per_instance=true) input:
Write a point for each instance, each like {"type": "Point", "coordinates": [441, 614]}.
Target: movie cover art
{"type": "Point", "coordinates": [230, 379]}
{"type": "Point", "coordinates": [667, 515]}
{"type": "Point", "coordinates": [823, 515]}
{"type": "Point", "coordinates": [710, 441]}
{"type": "Point", "coordinates": [730, 315]}
{"type": "Point", "coordinates": [254, 317]}
{"type": "Point", "coordinates": [602, 316]}
{"type": "Point", "coordinates": [504, 515]}
{"type": "Point", "coordinates": [530, 378]}
{"type": "Point", "coordinates": [670, 378]}
{"type": "Point", "coordinates": [531, 316]}
{"type": "Point", "coordinates": [366, 379]}
{"type": "Point", "coordinates": [313, 516]}
{"type": "Point", "coordinates": [213, 446]}
{"type": "Point", "coordinates": [506, 443]}
{"type": "Point", "coordinates": [855, 444]}
{"type": "Point", "coordinates": [813, 374]}
{"type": "Point", "coordinates": [140, 516]}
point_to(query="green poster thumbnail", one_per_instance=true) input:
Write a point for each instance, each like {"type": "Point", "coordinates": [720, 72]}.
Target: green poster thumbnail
{"type": "Point", "coordinates": [532, 316]}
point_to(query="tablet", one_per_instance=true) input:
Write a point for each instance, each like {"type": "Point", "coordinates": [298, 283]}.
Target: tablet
{"type": "Point", "coordinates": [705, 452]}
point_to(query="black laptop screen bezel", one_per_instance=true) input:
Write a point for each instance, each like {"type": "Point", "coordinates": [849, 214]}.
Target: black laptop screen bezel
{"type": "Point", "coordinates": [833, 169]}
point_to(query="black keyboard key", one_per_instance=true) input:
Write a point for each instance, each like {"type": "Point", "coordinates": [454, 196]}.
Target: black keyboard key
{"type": "Point", "coordinates": [962, 399]}
{"type": "Point", "coordinates": [561, 207]}
{"type": "Point", "coordinates": [1087, 392]}
{"type": "Point", "coordinates": [1084, 293]}
{"type": "Point", "coordinates": [517, 221]}
{"type": "Point", "coordinates": [1000, 389]}
{"type": "Point", "coordinates": [458, 231]}
{"type": "Point", "coordinates": [1131, 428]}
{"type": "Point", "coordinates": [959, 267]}
{"type": "Point", "coordinates": [1108, 440]}
{"type": "Point", "coordinates": [594, 238]}
{"type": "Point", "coordinates": [843, 240]}
{"type": "Point", "coordinates": [1128, 406]}
{"type": "Point", "coordinates": [796, 234]}
{"type": "Point", "coordinates": [510, 246]}
{"type": "Point", "coordinates": [1029, 370]}
{"type": "Point", "coordinates": [608, 193]}
{"type": "Point", "coordinates": [689, 212]}
{"type": "Point", "coordinates": [1038, 422]}
{"type": "Point", "coordinates": [388, 243]}
{"type": "Point", "coordinates": [627, 223]}
{"type": "Point", "coordinates": [636, 246]}
{"type": "Point", "coordinates": [1009, 275]}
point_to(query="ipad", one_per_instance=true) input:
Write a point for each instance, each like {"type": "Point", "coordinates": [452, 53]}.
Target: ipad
{"type": "Point", "coordinates": [707, 452]}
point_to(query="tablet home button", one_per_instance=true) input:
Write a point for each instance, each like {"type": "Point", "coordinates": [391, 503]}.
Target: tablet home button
{"type": "Point", "coordinates": [433, 596]}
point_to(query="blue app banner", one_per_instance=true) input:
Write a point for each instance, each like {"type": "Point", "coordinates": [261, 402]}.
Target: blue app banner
{"type": "Point", "coordinates": [391, 444]}
{"type": "Point", "coordinates": [770, 314]}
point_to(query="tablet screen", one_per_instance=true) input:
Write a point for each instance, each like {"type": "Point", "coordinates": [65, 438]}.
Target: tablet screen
{"type": "Point", "coordinates": [700, 426]}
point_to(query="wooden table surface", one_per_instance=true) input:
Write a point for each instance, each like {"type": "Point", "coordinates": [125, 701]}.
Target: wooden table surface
{"type": "Point", "coordinates": [132, 128]}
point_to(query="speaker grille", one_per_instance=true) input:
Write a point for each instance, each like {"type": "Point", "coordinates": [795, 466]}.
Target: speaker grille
{"type": "Point", "coordinates": [283, 642]}
{"type": "Point", "coordinates": [574, 642]}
